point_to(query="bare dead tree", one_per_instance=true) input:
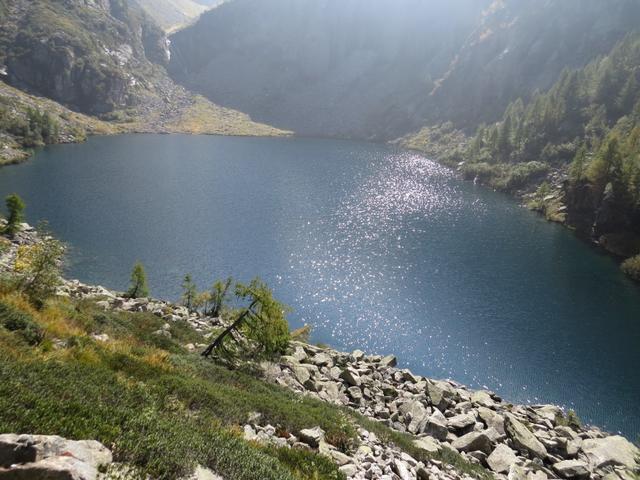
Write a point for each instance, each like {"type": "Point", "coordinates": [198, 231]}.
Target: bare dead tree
{"type": "Point", "coordinates": [218, 342]}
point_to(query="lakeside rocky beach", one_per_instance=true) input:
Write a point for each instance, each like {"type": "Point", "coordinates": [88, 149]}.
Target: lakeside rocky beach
{"type": "Point", "coordinates": [528, 442]}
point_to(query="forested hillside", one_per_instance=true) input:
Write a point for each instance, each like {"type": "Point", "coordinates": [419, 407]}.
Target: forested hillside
{"type": "Point", "coordinates": [521, 46]}
{"type": "Point", "coordinates": [579, 142]}
{"type": "Point", "coordinates": [382, 69]}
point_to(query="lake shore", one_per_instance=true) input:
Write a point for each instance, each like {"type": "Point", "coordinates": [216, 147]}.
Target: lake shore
{"type": "Point", "coordinates": [341, 209]}
{"type": "Point", "coordinates": [532, 442]}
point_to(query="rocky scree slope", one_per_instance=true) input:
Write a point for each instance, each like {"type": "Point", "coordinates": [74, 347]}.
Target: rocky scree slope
{"type": "Point", "coordinates": [408, 426]}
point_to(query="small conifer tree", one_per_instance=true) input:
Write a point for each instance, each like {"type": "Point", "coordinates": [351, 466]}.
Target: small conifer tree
{"type": "Point", "coordinates": [15, 206]}
{"type": "Point", "coordinates": [139, 287]}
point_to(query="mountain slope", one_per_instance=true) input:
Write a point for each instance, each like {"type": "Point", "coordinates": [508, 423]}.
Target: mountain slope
{"type": "Point", "coordinates": [348, 68]}
{"type": "Point", "coordinates": [381, 69]}
{"type": "Point", "coordinates": [573, 151]}
{"type": "Point", "coordinates": [172, 14]}
{"type": "Point", "coordinates": [92, 57]}
{"type": "Point", "coordinates": [521, 46]}
{"type": "Point", "coordinates": [27, 121]}
{"type": "Point", "coordinates": [105, 59]}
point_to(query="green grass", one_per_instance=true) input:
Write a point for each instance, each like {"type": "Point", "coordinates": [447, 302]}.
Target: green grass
{"type": "Point", "coordinates": [157, 406]}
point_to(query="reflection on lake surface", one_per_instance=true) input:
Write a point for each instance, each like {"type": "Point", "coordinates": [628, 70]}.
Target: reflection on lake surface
{"type": "Point", "coordinates": [377, 248]}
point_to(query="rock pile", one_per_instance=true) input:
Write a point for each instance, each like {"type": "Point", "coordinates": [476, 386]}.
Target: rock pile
{"type": "Point", "coordinates": [372, 460]}
{"type": "Point", "coordinates": [515, 442]}
{"type": "Point", "coordinates": [532, 442]}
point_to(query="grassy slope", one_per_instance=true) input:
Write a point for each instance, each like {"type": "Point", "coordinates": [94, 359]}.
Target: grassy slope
{"type": "Point", "coordinates": [73, 126]}
{"type": "Point", "coordinates": [157, 406]}
{"type": "Point", "coordinates": [160, 408]}
{"type": "Point", "coordinates": [170, 14]}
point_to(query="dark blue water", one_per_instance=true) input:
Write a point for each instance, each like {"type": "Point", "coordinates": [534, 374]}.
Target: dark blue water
{"type": "Point", "coordinates": [377, 248]}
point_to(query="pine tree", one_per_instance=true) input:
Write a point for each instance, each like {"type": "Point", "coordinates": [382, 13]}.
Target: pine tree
{"type": "Point", "coordinates": [139, 287]}
{"type": "Point", "coordinates": [189, 292]}
{"type": "Point", "coordinates": [606, 165]}
{"type": "Point", "coordinates": [579, 165]}
{"type": "Point", "coordinates": [16, 207]}
{"type": "Point", "coordinates": [627, 98]}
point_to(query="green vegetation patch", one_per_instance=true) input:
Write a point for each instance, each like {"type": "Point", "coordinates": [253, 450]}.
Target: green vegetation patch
{"type": "Point", "coordinates": [158, 407]}
{"type": "Point", "coordinates": [631, 267]}
{"type": "Point", "coordinates": [21, 322]}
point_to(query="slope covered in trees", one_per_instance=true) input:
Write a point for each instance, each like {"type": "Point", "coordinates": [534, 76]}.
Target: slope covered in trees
{"type": "Point", "coordinates": [382, 69]}
{"type": "Point", "coordinates": [584, 132]}
{"type": "Point", "coordinates": [521, 46]}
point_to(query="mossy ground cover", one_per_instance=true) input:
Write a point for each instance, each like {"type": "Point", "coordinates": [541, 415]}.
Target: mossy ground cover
{"type": "Point", "coordinates": [157, 406]}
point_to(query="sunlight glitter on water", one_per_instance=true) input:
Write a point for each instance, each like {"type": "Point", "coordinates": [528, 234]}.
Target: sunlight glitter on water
{"type": "Point", "coordinates": [372, 228]}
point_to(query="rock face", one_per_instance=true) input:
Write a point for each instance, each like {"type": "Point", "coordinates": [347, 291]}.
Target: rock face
{"type": "Point", "coordinates": [474, 58]}
{"type": "Point", "coordinates": [51, 54]}
{"type": "Point", "coordinates": [310, 56]}
{"type": "Point", "coordinates": [36, 457]}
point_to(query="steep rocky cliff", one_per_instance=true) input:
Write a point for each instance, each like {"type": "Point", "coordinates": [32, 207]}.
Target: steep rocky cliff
{"type": "Point", "coordinates": [350, 68]}
{"type": "Point", "coordinates": [382, 69]}
{"type": "Point", "coordinates": [102, 58]}
{"type": "Point", "coordinates": [93, 56]}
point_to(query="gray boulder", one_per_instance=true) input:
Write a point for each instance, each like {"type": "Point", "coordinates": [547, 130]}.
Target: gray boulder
{"type": "Point", "coordinates": [301, 374]}
{"type": "Point", "coordinates": [401, 470]}
{"type": "Point", "coordinates": [33, 448]}
{"type": "Point", "coordinates": [53, 468]}
{"type": "Point", "coordinates": [427, 445]}
{"type": "Point", "coordinates": [492, 419]}
{"type": "Point", "coordinates": [471, 442]}
{"type": "Point", "coordinates": [351, 377]}
{"type": "Point", "coordinates": [523, 439]}
{"type": "Point", "coordinates": [615, 450]}
{"type": "Point", "coordinates": [571, 469]}
{"type": "Point", "coordinates": [482, 398]}
{"type": "Point", "coordinates": [461, 421]}
{"type": "Point", "coordinates": [436, 427]}
{"type": "Point", "coordinates": [389, 361]}
{"type": "Point", "coordinates": [312, 436]}
{"type": "Point", "coordinates": [501, 459]}
{"type": "Point", "coordinates": [439, 394]}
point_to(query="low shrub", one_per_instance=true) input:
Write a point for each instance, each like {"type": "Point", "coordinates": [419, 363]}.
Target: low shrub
{"type": "Point", "coordinates": [21, 322]}
{"type": "Point", "coordinates": [631, 267]}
